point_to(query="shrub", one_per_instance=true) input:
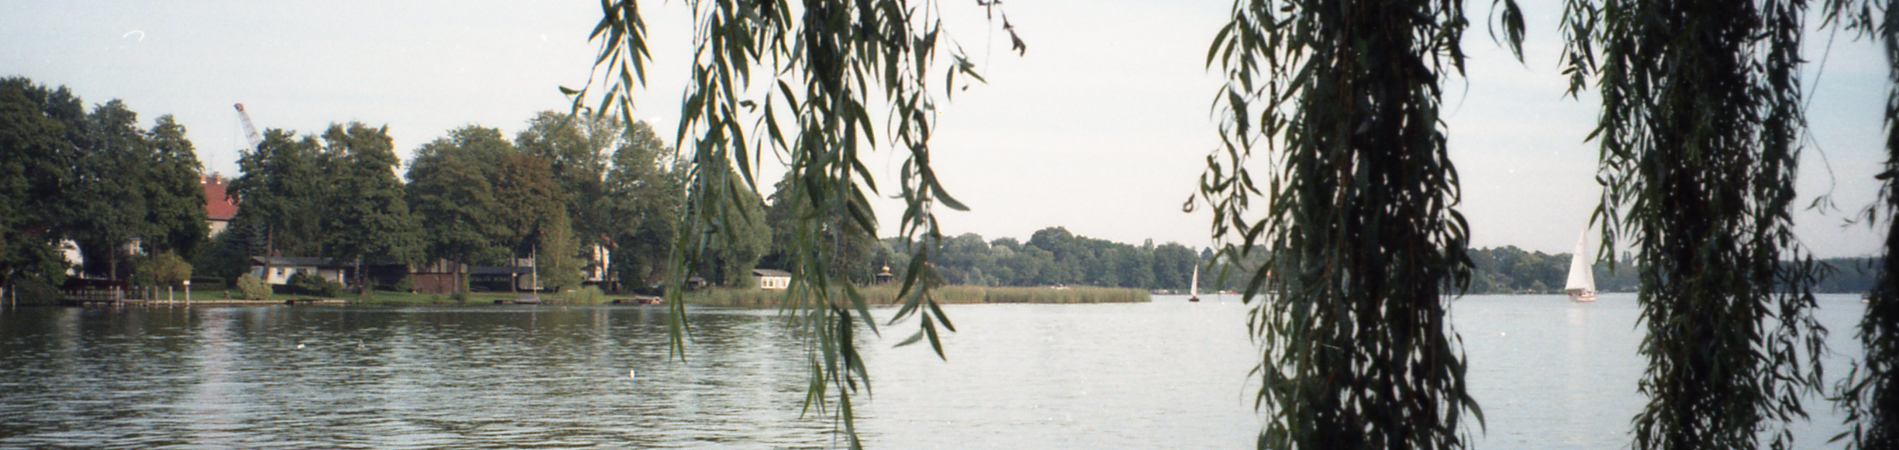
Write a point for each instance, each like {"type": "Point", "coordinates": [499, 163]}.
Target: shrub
{"type": "Point", "coordinates": [406, 284]}
{"type": "Point", "coordinates": [459, 297]}
{"type": "Point", "coordinates": [306, 284]}
{"type": "Point", "coordinates": [252, 288]}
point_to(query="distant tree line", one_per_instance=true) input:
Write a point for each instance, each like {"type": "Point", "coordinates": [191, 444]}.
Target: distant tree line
{"type": "Point", "coordinates": [1053, 256]}
{"type": "Point", "coordinates": [1511, 270]}
{"type": "Point", "coordinates": [558, 188]}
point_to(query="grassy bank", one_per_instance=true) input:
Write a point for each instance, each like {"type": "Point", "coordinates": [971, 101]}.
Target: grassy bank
{"type": "Point", "coordinates": [393, 298]}
{"type": "Point", "coordinates": [887, 294]}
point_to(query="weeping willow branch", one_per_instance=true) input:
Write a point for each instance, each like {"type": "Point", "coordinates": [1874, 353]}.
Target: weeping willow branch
{"type": "Point", "coordinates": [1870, 393]}
{"type": "Point", "coordinates": [803, 83]}
{"type": "Point", "coordinates": [1699, 135]}
{"type": "Point", "coordinates": [1364, 246]}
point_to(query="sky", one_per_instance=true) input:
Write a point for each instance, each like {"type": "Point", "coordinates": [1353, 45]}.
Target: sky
{"type": "Point", "coordinates": [1102, 127]}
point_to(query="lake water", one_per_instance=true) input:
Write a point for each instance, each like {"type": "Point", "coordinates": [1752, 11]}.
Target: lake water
{"type": "Point", "coordinates": [1549, 374]}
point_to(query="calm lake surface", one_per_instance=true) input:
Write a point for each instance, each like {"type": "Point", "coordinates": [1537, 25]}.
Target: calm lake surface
{"type": "Point", "coordinates": [1549, 374]}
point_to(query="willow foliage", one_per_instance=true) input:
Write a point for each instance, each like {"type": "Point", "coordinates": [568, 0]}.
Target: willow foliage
{"type": "Point", "coordinates": [1870, 394]}
{"type": "Point", "coordinates": [1364, 246]}
{"type": "Point", "coordinates": [1699, 131]}
{"type": "Point", "coordinates": [805, 83]}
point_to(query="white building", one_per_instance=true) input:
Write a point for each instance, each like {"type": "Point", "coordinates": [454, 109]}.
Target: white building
{"type": "Point", "coordinates": [772, 279]}
{"type": "Point", "coordinates": [278, 270]}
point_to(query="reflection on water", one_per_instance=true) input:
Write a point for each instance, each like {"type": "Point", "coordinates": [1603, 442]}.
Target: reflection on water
{"type": "Point", "coordinates": [396, 378]}
{"type": "Point", "coordinates": [1555, 374]}
{"type": "Point", "coordinates": [1170, 374]}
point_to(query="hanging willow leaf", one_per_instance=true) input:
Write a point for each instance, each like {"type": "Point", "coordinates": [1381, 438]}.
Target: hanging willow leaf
{"type": "Point", "coordinates": [1869, 395]}
{"type": "Point", "coordinates": [1363, 250]}
{"type": "Point", "coordinates": [1701, 113]}
{"type": "Point", "coordinates": [827, 63]}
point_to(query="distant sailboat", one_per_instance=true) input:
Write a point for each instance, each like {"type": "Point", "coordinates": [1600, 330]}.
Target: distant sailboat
{"type": "Point", "coordinates": [1581, 286]}
{"type": "Point", "coordinates": [1193, 292]}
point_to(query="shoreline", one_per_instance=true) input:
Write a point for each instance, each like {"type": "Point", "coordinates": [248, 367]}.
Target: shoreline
{"type": "Point", "coordinates": [945, 295]}
{"type": "Point", "coordinates": [722, 297]}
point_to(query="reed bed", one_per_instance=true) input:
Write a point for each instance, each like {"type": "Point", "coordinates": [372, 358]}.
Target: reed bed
{"type": "Point", "coordinates": [886, 294]}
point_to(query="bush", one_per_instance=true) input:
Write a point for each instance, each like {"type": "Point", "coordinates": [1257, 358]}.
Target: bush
{"type": "Point", "coordinates": [252, 288]}
{"type": "Point", "coordinates": [306, 284]}
{"type": "Point", "coordinates": [406, 284]}
{"type": "Point", "coordinates": [459, 297]}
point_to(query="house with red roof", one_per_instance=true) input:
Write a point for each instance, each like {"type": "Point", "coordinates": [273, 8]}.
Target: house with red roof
{"type": "Point", "coordinates": [219, 206]}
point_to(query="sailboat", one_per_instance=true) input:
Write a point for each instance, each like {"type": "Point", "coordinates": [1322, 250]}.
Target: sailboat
{"type": "Point", "coordinates": [1581, 286]}
{"type": "Point", "coordinates": [1193, 292]}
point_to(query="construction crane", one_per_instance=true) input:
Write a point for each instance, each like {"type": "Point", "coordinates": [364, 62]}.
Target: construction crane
{"type": "Point", "coordinates": [250, 131]}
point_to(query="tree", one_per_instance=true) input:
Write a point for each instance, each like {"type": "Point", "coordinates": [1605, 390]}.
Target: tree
{"type": "Point", "coordinates": [1173, 266]}
{"type": "Point", "coordinates": [736, 240]}
{"type": "Point", "coordinates": [641, 202]}
{"type": "Point", "coordinates": [575, 147]}
{"type": "Point", "coordinates": [226, 255]}
{"type": "Point", "coordinates": [35, 167]}
{"type": "Point", "coordinates": [175, 191]}
{"type": "Point", "coordinates": [528, 202]}
{"type": "Point", "coordinates": [483, 200]}
{"type": "Point", "coordinates": [1360, 229]}
{"type": "Point", "coordinates": [450, 189]}
{"type": "Point", "coordinates": [167, 269]}
{"type": "Point", "coordinates": [109, 188]}
{"type": "Point", "coordinates": [134, 186]}
{"type": "Point", "coordinates": [92, 177]}
{"type": "Point", "coordinates": [1701, 111]}
{"type": "Point", "coordinates": [791, 217]}
{"type": "Point", "coordinates": [281, 188]}
{"type": "Point", "coordinates": [556, 256]}
{"type": "Point", "coordinates": [1069, 257]}
{"type": "Point", "coordinates": [368, 216]}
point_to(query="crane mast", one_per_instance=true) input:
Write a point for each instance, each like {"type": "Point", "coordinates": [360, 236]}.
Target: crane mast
{"type": "Point", "coordinates": [250, 131]}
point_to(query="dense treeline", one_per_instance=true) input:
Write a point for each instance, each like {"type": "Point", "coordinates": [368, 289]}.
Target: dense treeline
{"type": "Point", "coordinates": [1054, 256]}
{"type": "Point", "coordinates": [129, 200]}
{"type": "Point", "coordinates": [561, 187]}
{"type": "Point", "coordinates": [1510, 270]}
{"type": "Point", "coordinates": [558, 188]}
{"type": "Point", "coordinates": [97, 180]}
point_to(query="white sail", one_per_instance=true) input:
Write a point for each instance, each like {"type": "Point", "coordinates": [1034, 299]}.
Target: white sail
{"type": "Point", "coordinates": [1582, 280]}
{"type": "Point", "coordinates": [1194, 291]}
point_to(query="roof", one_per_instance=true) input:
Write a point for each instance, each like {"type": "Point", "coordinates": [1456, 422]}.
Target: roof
{"type": "Point", "coordinates": [295, 261]}
{"type": "Point", "coordinates": [499, 270]}
{"type": "Point", "coordinates": [217, 204]}
{"type": "Point", "coordinates": [770, 273]}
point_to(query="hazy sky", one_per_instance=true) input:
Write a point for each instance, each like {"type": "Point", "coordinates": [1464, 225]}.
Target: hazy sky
{"type": "Point", "coordinates": [1102, 127]}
